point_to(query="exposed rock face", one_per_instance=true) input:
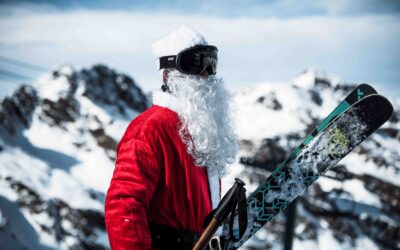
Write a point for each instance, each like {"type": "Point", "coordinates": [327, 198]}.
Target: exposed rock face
{"type": "Point", "coordinates": [350, 219]}
{"type": "Point", "coordinates": [17, 110]}
{"type": "Point", "coordinates": [105, 141]}
{"type": "Point", "coordinates": [267, 156]}
{"type": "Point", "coordinates": [104, 85]}
{"type": "Point", "coordinates": [315, 97]}
{"type": "Point", "coordinates": [64, 110]}
{"type": "Point", "coordinates": [63, 221]}
{"type": "Point", "coordinates": [270, 101]}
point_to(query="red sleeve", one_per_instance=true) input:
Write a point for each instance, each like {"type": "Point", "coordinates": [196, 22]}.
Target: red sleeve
{"type": "Point", "coordinates": [134, 180]}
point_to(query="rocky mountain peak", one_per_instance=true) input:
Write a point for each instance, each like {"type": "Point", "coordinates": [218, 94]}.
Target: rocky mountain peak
{"type": "Point", "coordinates": [313, 78]}
{"type": "Point", "coordinates": [17, 109]}
{"type": "Point", "coordinates": [104, 85]}
{"type": "Point", "coordinates": [62, 89]}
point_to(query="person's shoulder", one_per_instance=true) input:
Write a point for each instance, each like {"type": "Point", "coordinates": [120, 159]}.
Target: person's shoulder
{"type": "Point", "coordinates": [154, 118]}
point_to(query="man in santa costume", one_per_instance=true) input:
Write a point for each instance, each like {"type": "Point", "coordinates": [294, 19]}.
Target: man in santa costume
{"type": "Point", "coordinates": [171, 157]}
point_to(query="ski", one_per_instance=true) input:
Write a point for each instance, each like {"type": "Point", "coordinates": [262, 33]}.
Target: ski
{"type": "Point", "coordinates": [361, 91]}
{"type": "Point", "coordinates": [355, 95]}
{"type": "Point", "coordinates": [332, 142]}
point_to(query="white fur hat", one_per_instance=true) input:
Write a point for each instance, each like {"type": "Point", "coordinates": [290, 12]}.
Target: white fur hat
{"type": "Point", "coordinates": [182, 38]}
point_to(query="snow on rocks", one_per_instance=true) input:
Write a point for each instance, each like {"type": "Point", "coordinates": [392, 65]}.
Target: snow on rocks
{"type": "Point", "coordinates": [314, 77]}
{"type": "Point", "coordinates": [58, 84]}
{"type": "Point", "coordinates": [16, 111]}
{"type": "Point", "coordinates": [58, 144]}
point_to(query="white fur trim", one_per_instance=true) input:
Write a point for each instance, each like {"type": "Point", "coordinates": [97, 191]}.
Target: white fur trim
{"type": "Point", "coordinates": [213, 181]}
{"type": "Point", "coordinates": [165, 100]}
{"type": "Point", "coordinates": [182, 38]}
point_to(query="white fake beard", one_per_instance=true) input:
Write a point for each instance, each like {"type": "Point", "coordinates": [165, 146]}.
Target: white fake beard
{"type": "Point", "coordinates": [206, 125]}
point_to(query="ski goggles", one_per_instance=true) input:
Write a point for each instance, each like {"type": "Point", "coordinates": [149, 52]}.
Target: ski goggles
{"type": "Point", "coordinates": [193, 61]}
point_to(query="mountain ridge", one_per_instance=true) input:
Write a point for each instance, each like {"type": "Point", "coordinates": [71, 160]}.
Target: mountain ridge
{"type": "Point", "coordinates": [57, 152]}
{"type": "Point", "coordinates": [48, 135]}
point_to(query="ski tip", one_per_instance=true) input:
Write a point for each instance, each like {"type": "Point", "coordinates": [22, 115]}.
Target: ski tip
{"type": "Point", "coordinates": [368, 87]}
{"type": "Point", "coordinates": [384, 108]}
{"type": "Point", "coordinates": [361, 91]}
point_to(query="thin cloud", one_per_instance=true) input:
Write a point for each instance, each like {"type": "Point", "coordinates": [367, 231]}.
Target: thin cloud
{"type": "Point", "coordinates": [358, 48]}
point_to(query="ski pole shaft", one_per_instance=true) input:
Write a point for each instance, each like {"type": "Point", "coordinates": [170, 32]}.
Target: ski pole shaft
{"type": "Point", "coordinates": [205, 238]}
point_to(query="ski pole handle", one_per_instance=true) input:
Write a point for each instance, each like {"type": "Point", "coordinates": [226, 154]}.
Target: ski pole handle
{"type": "Point", "coordinates": [225, 208]}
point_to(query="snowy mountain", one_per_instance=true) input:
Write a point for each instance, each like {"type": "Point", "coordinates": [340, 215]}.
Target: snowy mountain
{"type": "Point", "coordinates": [57, 151]}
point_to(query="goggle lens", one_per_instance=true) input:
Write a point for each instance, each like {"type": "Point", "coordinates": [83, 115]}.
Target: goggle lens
{"type": "Point", "coordinates": [198, 60]}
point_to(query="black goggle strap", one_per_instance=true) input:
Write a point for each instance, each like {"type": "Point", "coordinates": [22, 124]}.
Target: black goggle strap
{"type": "Point", "coordinates": [167, 62]}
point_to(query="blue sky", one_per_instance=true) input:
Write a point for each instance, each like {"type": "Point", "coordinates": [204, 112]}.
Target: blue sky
{"type": "Point", "coordinates": [230, 8]}
{"type": "Point", "coordinates": [259, 41]}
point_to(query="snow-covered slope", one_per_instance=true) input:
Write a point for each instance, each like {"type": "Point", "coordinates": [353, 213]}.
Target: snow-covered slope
{"type": "Point", "coordinates": [57, 151]}
{"type": "Point", "coordinates": [355, 205]}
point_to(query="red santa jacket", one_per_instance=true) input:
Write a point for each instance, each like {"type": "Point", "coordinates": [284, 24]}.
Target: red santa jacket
{"type": "Point", "coordinates": [155, 181]}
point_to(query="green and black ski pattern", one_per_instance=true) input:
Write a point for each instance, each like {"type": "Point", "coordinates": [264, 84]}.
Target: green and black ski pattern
{"type": "Point", "coordinates": [329, 143]}
{"type": "Point", "coordinates": [360, 92]}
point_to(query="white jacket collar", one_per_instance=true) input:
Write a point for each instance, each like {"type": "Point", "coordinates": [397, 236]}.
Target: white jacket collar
{"type": "Point", "coordinates": [166, 100]}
